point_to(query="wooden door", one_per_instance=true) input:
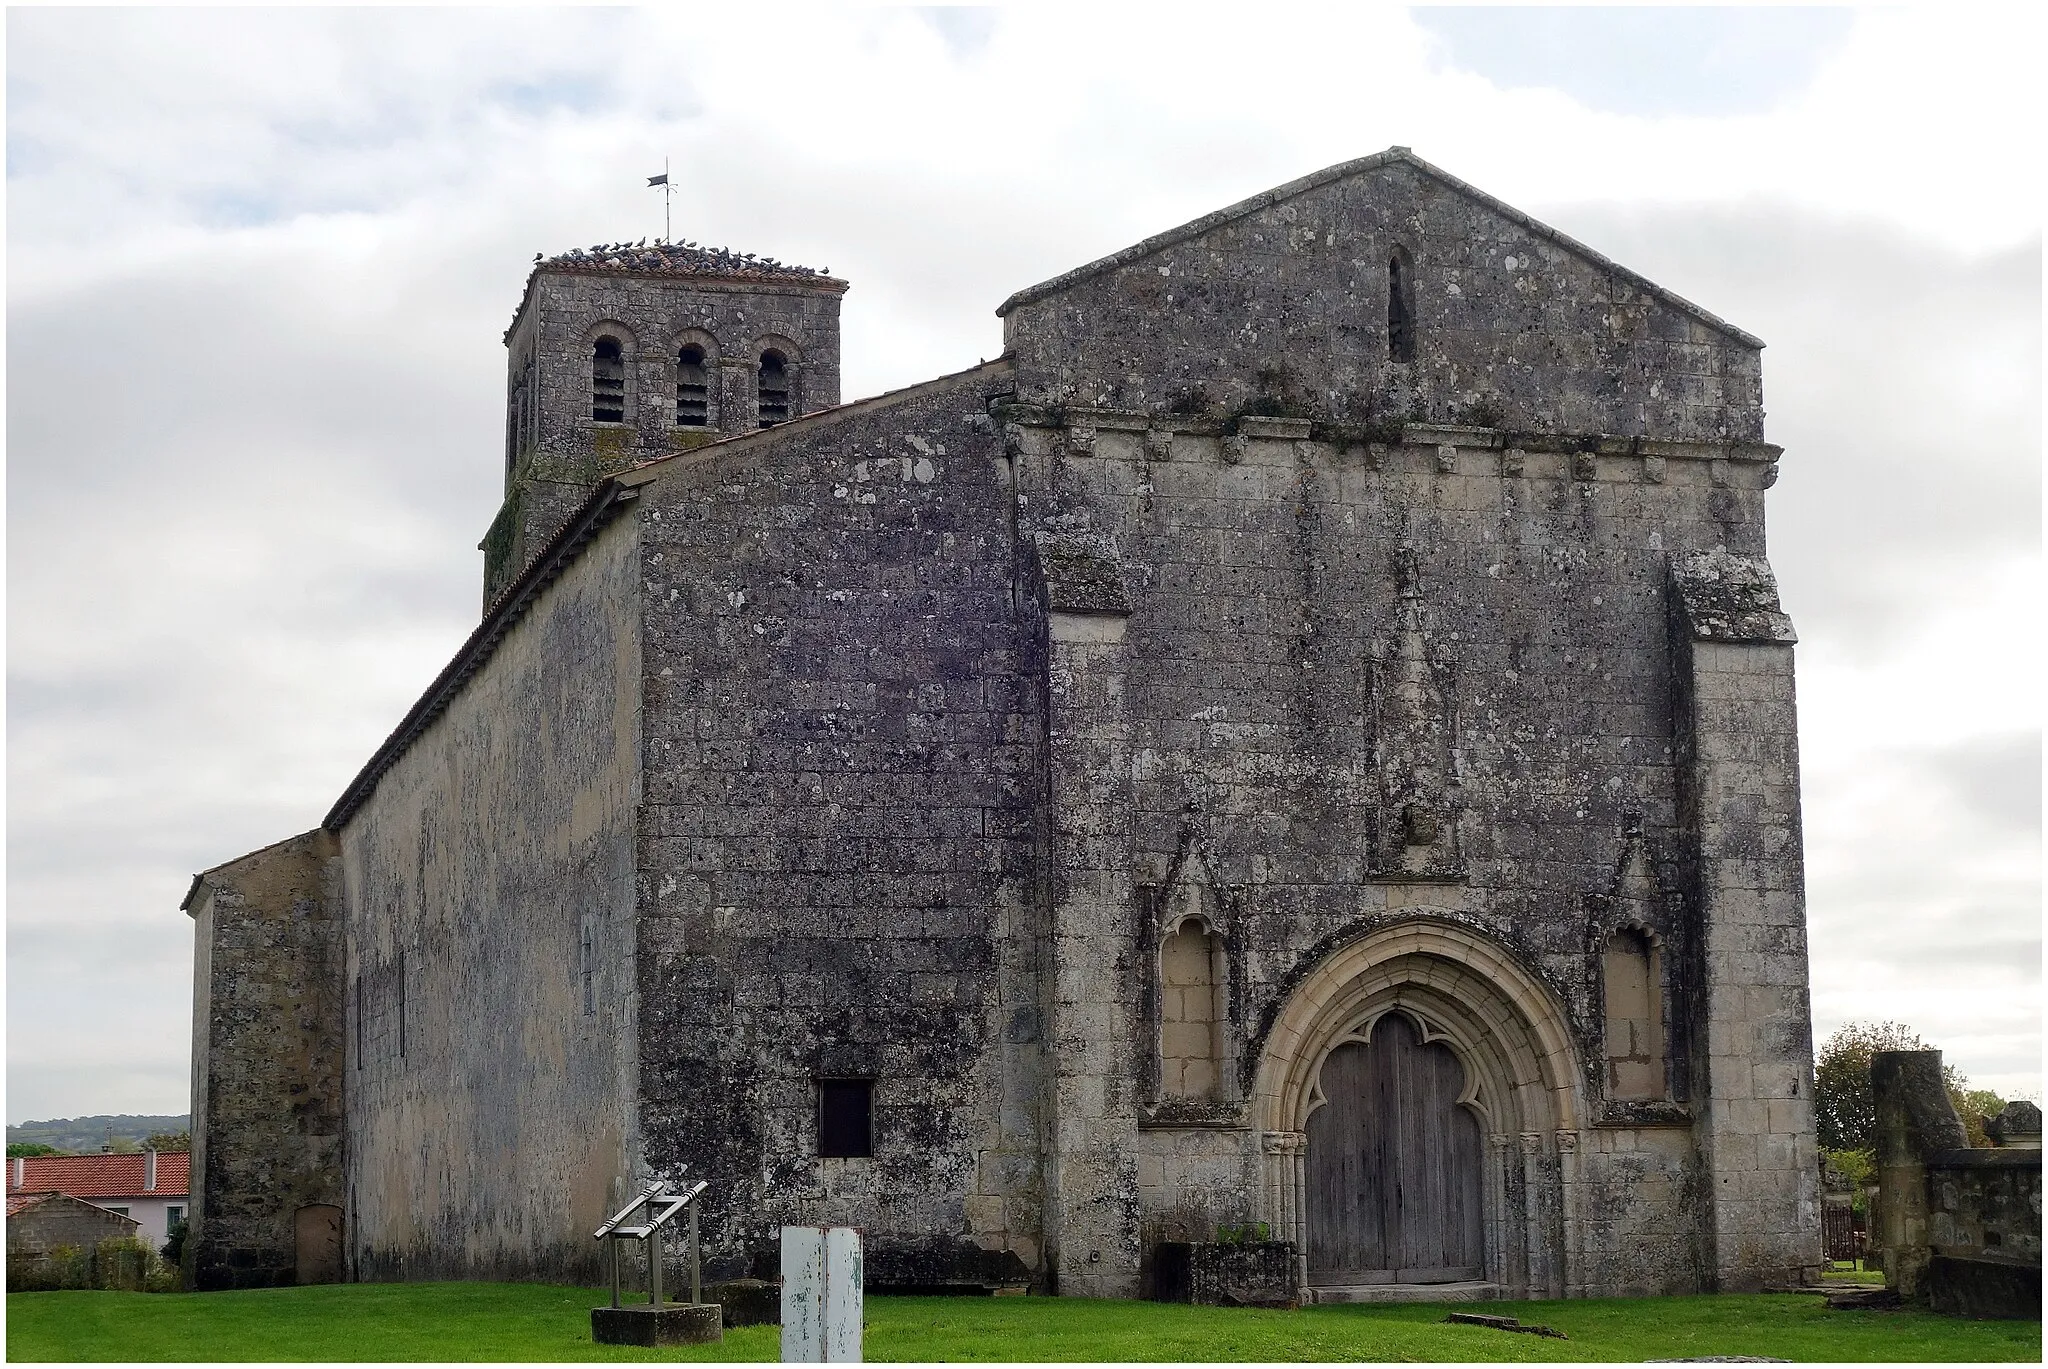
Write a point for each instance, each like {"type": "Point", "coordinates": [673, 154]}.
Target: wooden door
{"type": "Point", "coordinates": [1393, 1165]}
{"type": "Point", "coordinates": [317, 1230]}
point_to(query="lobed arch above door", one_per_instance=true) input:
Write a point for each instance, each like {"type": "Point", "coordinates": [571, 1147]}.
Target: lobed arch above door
{"type": "Point", "coordinates": [1513, 1103]}
{"type": "Point", "coordinates": [1506, 1027]}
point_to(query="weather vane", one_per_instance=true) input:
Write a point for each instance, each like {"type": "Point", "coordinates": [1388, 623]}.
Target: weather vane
{"type": "Point", "coordinates": [662, 181]}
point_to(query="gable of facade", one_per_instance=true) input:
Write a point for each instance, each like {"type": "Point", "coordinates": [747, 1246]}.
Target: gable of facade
{"type": "Point", "coordinates": [1379, 292]}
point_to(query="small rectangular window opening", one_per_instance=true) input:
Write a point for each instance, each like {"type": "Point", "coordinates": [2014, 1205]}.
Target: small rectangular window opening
{"type": "Point", "coordinates": [845, 1117]}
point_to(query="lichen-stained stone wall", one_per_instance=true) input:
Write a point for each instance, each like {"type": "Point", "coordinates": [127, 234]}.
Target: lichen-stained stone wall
{"type": "Point", "coordinates": [558, 453]}
{"type": "Point", "coordinates": [266, 1059]}
{"type": "Point", "coordinates": [837, 838]}
{"type": "Point", "coordinates": [491, 1018]}
{"type": "Point", "coordinates": [1312, 624]}
{"type": "Point", "coordinates": [886, 745]}
{"type": "Point", "coordinates": [1280, 306]}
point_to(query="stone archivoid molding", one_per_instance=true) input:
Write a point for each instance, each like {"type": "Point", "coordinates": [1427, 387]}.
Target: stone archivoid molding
{"type": "Point", "coordinates": [1393, 156]}
{"type": "Point", "coordinates": [1510, 1033]}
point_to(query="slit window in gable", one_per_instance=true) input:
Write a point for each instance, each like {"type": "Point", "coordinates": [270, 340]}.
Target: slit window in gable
{"type": "Point", "coordinates": [1400, 306]}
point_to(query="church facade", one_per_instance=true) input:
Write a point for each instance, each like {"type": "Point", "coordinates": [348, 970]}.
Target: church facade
{"type": "Point", "coordinates": [1303, 744]}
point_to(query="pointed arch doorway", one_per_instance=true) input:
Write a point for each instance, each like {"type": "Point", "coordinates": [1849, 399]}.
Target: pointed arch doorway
{"type": "Point", "coordinates": [1489, 1064]}
{"type": "Point", "coordinates": [1396, 1163]}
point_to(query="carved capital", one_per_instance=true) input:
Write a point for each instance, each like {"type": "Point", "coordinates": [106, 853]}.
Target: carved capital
{"type": "Point", "coordinates": [1285, 1142]}
{"type": "Point", "coordinates": [1159, 444]}
{"type": "Point", "coordinates": [1080, 442]}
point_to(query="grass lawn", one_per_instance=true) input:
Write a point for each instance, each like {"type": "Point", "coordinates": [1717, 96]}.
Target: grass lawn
{"type": "Point", "coordinates": [496, 1321]}
{"type": "Point", "coordinates": [1854, 1272]}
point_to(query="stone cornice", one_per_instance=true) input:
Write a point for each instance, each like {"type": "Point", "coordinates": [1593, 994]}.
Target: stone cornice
{"type": "Point", "coordinates": [1386, 437]}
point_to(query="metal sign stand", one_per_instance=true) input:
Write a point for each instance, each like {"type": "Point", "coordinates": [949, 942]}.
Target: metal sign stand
{"type": "Point", "coordinates": [658, 1322]}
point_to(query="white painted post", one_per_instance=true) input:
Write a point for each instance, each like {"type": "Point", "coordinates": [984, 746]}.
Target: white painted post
{"type": "Point", "coordinates": [821, 1295]}
{"type": "Point", "coordinates": [843, 1296]}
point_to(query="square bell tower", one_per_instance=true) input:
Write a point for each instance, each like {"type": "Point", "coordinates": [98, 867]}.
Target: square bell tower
{"type": "Point", "coordinates": [625, 353]}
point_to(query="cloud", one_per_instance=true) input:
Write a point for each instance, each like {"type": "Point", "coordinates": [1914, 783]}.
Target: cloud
{"type": "Point", "coordinates": [1629, 60]}
{"type": "Point", "coordinates": [1901, 377]}
{"type": "Point", "coordinates": [260, 261]}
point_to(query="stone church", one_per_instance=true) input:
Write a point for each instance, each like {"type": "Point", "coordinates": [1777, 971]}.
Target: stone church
{"type": "Point", "coordinates": [1303, 743]}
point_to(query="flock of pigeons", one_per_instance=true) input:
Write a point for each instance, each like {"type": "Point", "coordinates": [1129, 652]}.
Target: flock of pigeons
{"type": "Point", "coordinates": [686, 254]}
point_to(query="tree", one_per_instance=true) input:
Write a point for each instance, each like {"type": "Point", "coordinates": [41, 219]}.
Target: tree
{"type": "Point", "coordinates": [168, 1140]}
{"type": "Point", "coordinates": [19, 1149]}
{"type": "Point", "coordinates": [1975, 1105]}
{"type": "Point", "coordinates": [1845, 1113]}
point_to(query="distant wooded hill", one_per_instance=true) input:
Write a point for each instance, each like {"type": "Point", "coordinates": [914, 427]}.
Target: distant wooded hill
{"type": "Point", "coordinates": [85, 1135]}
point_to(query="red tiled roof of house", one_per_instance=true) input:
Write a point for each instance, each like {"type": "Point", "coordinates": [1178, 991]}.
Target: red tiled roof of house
{"type": "Point", "coordinates": [17, 1201]}
{"type": "Point", "coordinates": [101, 1176]}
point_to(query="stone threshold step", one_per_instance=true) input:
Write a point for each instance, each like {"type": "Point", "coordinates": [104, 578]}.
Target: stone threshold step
{"type": "Point", "coordinates": [1405, 1292]}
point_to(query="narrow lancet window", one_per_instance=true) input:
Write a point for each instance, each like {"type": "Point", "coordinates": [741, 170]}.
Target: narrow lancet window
{"type": "Point", "coordinates": [774, 389]}
{"type": "Point", "coordinates": [1400, 307]}
{"type": "Point", "coordinates": [1635, 1017]}
{"type": "Point", "coordinates": [1191, 1016]}
{"type": "Point", "coordinates": [607, 381]}
{"type": "Point", "coordinates": [693, 388]}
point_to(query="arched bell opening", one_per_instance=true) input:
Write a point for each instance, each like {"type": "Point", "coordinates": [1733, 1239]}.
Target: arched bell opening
{"type": "Point", "coordinates": [1459, 1097]}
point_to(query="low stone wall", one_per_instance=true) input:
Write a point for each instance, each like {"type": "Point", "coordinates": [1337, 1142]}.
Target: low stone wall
{"type": "Point", "coordinates": [1984, 1232]}
{"type": "Point", "coordinates": [1960, 1227]}
{"type": "Point", "coordinates": [1241, 1274]}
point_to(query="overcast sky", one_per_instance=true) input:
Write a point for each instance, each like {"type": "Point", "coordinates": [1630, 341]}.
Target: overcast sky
{"type": "Point", "coordinates": [259, 263]}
